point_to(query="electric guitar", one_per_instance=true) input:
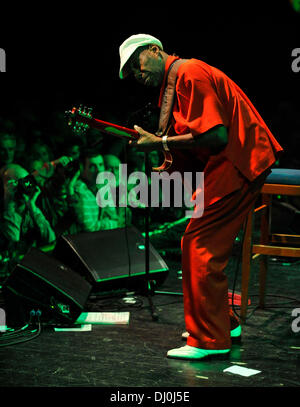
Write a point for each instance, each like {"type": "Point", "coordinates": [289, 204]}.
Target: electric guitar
{"type": "Point", "coordinates": [81, 120]}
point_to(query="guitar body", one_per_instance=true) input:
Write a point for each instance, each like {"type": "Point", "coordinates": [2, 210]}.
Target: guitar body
{"type": "Point", "coordinates": [178, 160]}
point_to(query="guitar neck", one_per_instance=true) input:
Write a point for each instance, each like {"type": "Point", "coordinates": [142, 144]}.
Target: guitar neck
{"type": "Point", "coordinates": [114, 129]}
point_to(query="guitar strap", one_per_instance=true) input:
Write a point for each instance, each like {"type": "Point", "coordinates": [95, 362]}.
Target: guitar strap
{"type": "Point", "coordinates": [168, 97]}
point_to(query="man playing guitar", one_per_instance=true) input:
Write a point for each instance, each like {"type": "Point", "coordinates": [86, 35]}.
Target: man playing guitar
{"type": "Point", "coordinates": [216, 127]}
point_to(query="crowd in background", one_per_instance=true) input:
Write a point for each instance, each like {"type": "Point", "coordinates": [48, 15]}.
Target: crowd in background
{"type": "Point", "coordinates": [49, 189]}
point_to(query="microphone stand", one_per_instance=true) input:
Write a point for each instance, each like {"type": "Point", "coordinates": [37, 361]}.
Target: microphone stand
{"type": "Point", "coordinates": [149, 284]}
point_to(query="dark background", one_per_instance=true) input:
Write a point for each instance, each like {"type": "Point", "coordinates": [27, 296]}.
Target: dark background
{"type": "Point", "coordinates": [59, 55]}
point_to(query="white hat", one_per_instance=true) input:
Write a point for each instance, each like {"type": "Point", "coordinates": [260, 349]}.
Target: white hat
{"type": "Point", "coordinates": [128, 47]}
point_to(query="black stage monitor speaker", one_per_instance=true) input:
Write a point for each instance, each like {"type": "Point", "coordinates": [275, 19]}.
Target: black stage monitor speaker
{"type": "Point", "coordinates": [111, 258]}
{"type": "Point", "coordinates": [42, 282]}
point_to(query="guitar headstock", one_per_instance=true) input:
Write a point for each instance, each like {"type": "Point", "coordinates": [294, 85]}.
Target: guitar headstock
{"type": "Point", "coordinates": [79, 118]}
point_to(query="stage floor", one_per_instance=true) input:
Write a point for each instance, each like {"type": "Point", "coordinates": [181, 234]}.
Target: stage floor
{"type": "Point", "coordinates": [134, 355]}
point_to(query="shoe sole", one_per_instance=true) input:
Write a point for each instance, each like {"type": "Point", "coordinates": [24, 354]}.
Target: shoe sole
{"type": "Point", "coordinates": [218, 356]}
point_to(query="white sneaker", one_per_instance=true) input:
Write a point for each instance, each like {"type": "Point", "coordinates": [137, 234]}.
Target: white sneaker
{"type": "Point", "coordinates": [192, 353]}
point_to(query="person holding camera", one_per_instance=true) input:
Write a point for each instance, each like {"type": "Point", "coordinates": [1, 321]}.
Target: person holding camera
{"type": "Point", "coordinates": [23, 223]}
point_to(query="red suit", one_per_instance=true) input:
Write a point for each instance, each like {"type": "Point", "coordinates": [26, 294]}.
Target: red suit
{"type": "Point", "coordinates": [205, 98]}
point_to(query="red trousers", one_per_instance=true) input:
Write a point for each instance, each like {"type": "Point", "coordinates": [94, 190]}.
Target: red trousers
{"type": "Point", "coordinates": [206, 247]}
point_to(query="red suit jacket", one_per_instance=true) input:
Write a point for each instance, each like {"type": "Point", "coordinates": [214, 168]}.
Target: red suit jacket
{"type": "Point", "coordinates": [205, 98]}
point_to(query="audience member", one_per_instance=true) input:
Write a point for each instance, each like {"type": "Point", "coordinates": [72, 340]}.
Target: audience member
{"type": "Point", "coordinates": [73, 148]}
{"type": "Point", "coordinates": [93, 164]}
{"type": "Point", "coordinates": [7, 148]}
{"type": "Point", "coordinates": [54, 199]}
{"type": "Point", "coordinates": [23, 224]}
{"type": "Point", "coordinates": [40, 151]}
{"type": "Point", "coordinates": [113, 165]}
{"type": "Point", "coordinates": [39, 155]}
